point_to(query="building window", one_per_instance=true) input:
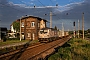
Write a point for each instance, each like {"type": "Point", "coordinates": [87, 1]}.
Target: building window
{"type": "Point", "coordinates": [22, 25]}
{"type": "Point", "coordinates": [28, 34]}
{"type": "Point", "coordinates": [38, 24]}
{"type": "Point", "coordinates": [32, 24]}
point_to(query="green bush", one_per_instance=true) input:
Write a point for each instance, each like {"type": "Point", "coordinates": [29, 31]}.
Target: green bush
{"type": "Point", "coordinates": [4, 39]}
{"type": "Point", "coordinates": [88, 35]}
{"type": "Point", "coordinates": [75, 49]}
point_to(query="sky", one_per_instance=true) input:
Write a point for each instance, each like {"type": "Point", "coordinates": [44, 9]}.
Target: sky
{"type": "Point", "coordinates": [11, 10]}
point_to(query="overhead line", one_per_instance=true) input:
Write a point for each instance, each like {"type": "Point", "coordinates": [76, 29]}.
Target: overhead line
{"type": "Point", "coordinates": [12, 8]}
{"type": "Point", "coordinates": [51, 2]}
{"type": "Point", "coordinates": [46, 7]}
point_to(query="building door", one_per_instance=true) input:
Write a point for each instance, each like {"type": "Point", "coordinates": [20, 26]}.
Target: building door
{"type": "Point", "coordinates": [23, 36]}
{"type": "Point", "coordinates": [33, 36]}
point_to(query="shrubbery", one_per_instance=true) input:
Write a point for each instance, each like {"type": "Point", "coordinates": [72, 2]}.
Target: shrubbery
{"type": "Point", "coordinates": [75, 49]}
{"type": "Point", "coordinates": [88, 36]}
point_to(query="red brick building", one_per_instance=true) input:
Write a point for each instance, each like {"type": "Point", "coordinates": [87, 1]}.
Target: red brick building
{"type": "Point", "coordinates": [30, 27]}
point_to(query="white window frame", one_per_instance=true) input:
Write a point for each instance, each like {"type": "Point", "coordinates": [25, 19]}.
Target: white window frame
{"type": "Point", "coordinates": [22, 24]}
{"type": "Point", "coordinates": [32, 24]}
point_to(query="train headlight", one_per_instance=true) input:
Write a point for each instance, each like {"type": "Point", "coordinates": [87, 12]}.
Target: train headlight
{"type": "Point", "coordinates": [47, 35]}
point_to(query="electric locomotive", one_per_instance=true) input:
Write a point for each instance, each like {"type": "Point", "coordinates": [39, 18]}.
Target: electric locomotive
{"type": "Point", "coordinates": [48, 34]}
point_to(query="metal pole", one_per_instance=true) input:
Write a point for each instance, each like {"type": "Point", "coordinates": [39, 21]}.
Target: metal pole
{"type": "Point", "coordinates": [0, 30]}
{"type": "Point", "coordinates": [25, 29]}
{"type": "Point", "coordinates": [83, 24]}
{"type": "Point", "coordinates": [78, 28]}
{"type": "Point", "coordinates": [50, 19]}
{"type": "Point", "coordinates": [62, 29]}
{"type": "Point", "coordinates": [20, 29]}
{"type": "Point", "coordinates": [74, 29]}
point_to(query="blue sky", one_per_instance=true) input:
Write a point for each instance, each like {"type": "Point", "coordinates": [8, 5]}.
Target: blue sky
{"type": "Point", "coordinates": [11, 10]}
{"type": "Point", "coordinates": [45, 2]}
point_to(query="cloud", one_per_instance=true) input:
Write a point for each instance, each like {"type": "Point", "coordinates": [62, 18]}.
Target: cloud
{"type": "Point", "coordinates": [68, 6]}
{"type": "Point", "coordinates": [3, 1]}
{"type": "Point", "coordinates": [32, 0]}
{"type": "Point", "coordinates": [87, 1]}
{"type": "Point", "coordinates": [9, 12]}
{"type": "Point", "coordinates": [75, 11]}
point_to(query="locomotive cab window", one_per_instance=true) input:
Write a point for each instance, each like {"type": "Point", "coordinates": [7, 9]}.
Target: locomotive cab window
{"type": "Point", "coordinates": [41, 31]}
{"type": "Point", "coordinates": [45, 31]}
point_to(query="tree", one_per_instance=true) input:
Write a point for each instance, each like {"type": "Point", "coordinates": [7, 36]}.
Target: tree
{"type": "Point", "coordinates": [88, 30]}
{"type": "Point", "coordinates": [8, 31]}
{"type": "Point", "coordinates": [70, 32]}
{"type": "Point", "coordinates": [55, 27]}
{"type": "Point", "coordinates": [16, 26]}
{"type": "Point", "coordinates": [80, 31]}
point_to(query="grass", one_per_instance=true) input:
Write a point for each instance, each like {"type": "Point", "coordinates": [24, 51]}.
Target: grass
{"type": "Point", "coordinates": [11, 48]}
{"type": "Point", "coordinates": [8, 42]}
{"type": "Point", "coordinates": [75, 49]}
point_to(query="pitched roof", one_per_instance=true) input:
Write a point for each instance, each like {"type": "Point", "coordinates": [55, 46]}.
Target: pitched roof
{"type": "Point", "coordinates": [28, 17]}
{"type": "Point", "coordinates": [33, 17]}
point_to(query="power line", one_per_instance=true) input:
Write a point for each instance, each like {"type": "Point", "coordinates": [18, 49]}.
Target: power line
{"type": "Point", "coordinates": [53, 3]}
{"type": "Point", "coordinates": [41, 3]}
{"type": "Point", "coordinates": [46, 7]}
{"type": "Point", "coordinates": [50, 13]}
{"type": "Point", "coordinates": [24, 3]}
{"type": "Point", "coordinates": [12, 7]}
{"type": "Point", "coordinates": [34, 6]}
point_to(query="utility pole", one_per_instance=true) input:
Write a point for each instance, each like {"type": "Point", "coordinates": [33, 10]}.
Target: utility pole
{"type": "Point", "coordinates": [74, 29]}
{"type": "Point", "coordinates": [62, 29]}
{"type": "Point", "coordinates": [78, 28]}
{"type": "Point", "coordinates": [50, 19]}
{"type": "Point", "coordinates": [68, 31]}
{"type": "Point", "coordinates": [0, 30]}
{"type": "Point", "coordinates": [25, 29]}
{"type": "Point", "coordinates": [83, 24]}
{"type": "Point", "coordinates": [20, 28]}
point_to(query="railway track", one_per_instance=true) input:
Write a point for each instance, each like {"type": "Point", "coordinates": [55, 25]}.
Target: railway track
{"type": "Point", "coordinates": [47, 50]}
{"type": "Point", "coordinates": [19, 50]}
{"type": "Point", "coordinates": [39, 51]}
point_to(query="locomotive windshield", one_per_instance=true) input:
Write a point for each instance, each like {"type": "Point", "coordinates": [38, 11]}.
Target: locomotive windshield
{"type": "Point", "coordinates": [43, 31]}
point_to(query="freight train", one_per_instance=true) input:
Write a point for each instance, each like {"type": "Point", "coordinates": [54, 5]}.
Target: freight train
{"type": "Point", "coordinates": [50, 34]}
